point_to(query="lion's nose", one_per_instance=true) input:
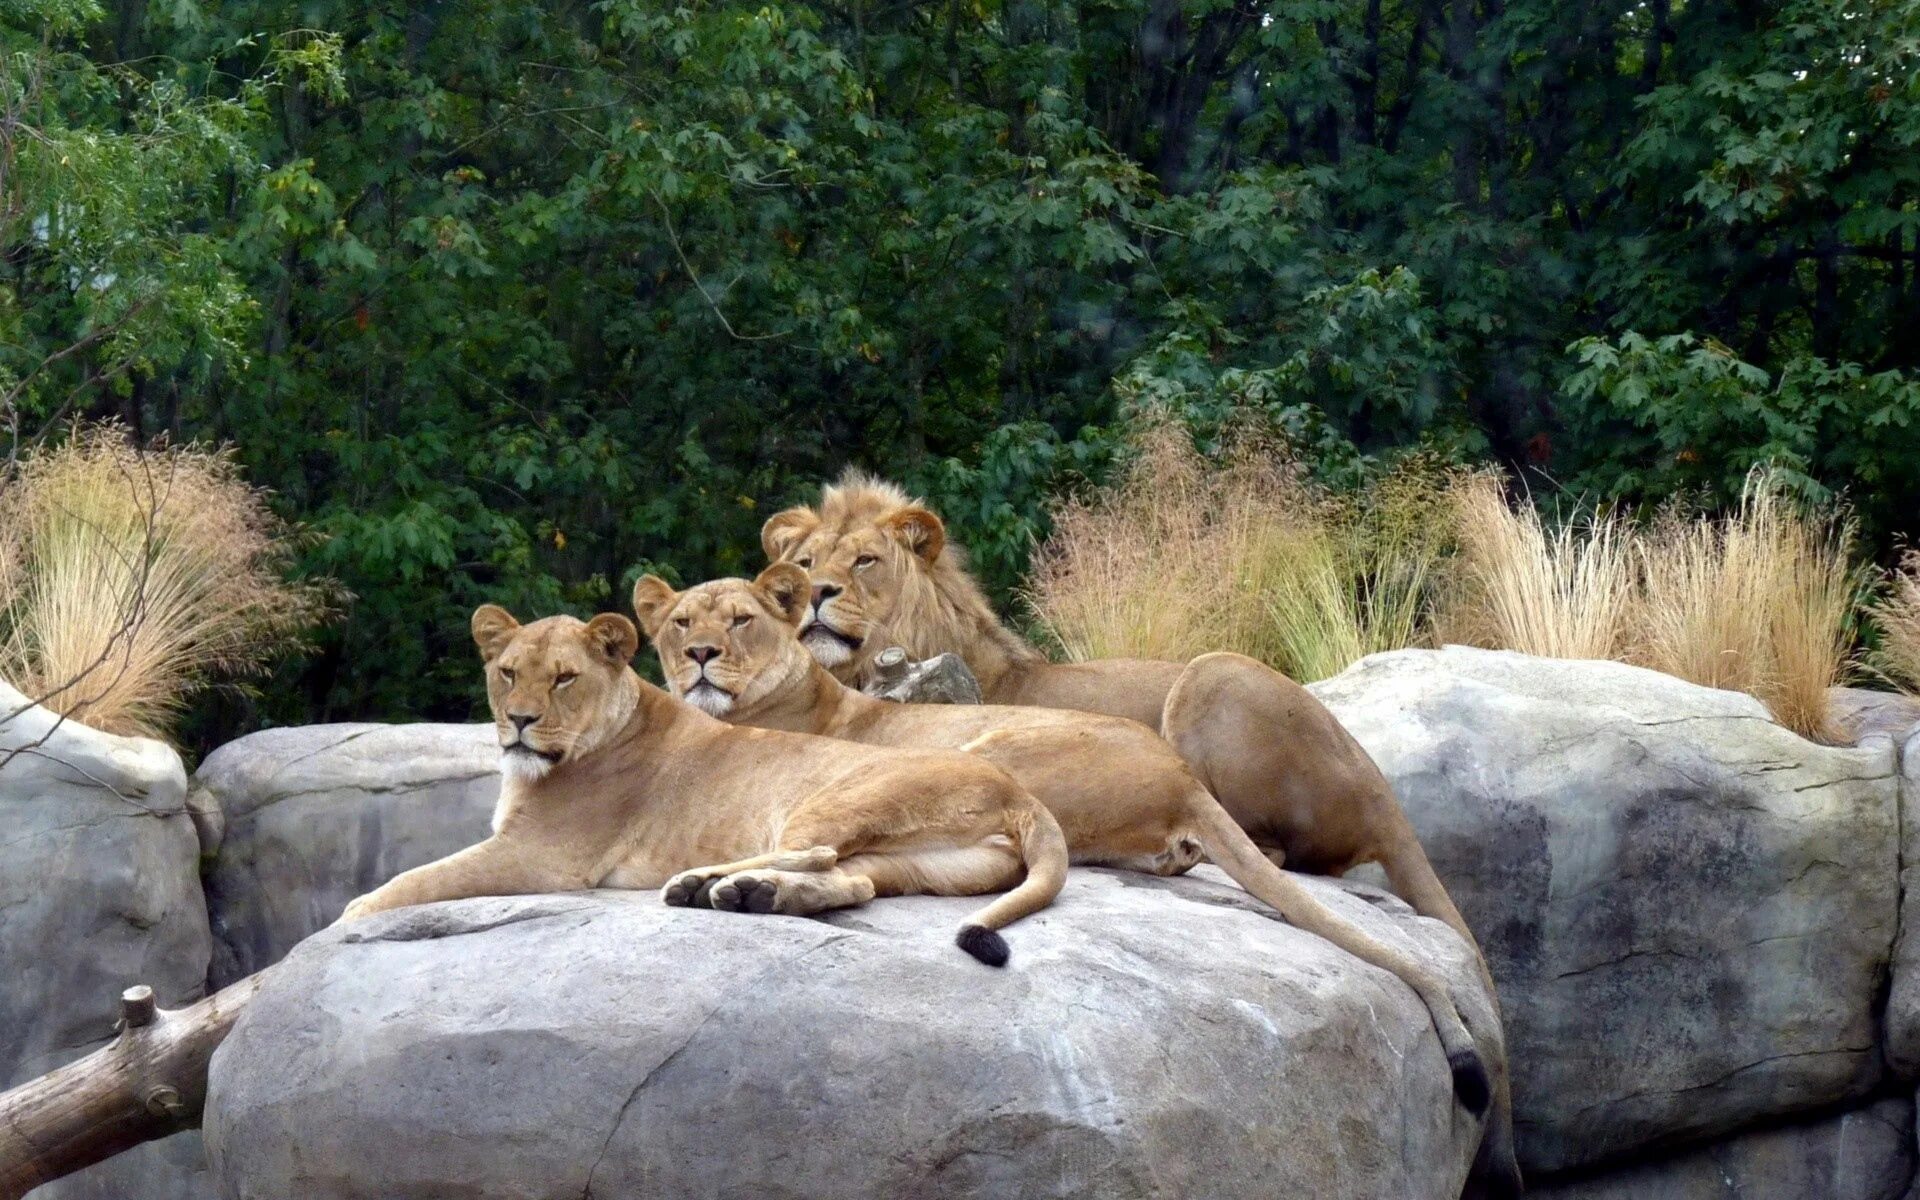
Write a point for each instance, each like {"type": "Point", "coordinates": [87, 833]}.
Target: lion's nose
{"type": "Point", "coordinates": [703, 654]}
{"type": "Point", "coordinates": [824, 592]}
{"type": "Point", "coordinates": [521, 721]}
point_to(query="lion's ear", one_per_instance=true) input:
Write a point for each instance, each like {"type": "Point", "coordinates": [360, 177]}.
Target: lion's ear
{"type": "Point", "coordinates": [493, 628]}
{"type": "Point", "coordinates": [784, 531]}
{"type": "Point", "coordinates": [614, 636]}
{"type": "Point", "coordinates": [920, 530]}
{"type": "Point", "coordinates": [653, 599]}
{"type": "Point", "coordinates": [786, 589]}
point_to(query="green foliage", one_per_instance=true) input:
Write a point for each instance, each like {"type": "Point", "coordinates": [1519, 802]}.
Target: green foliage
{"type": "Point", "coordinates": [1679, 414]}
{"type": "Point", "coordinates": [511, 301]}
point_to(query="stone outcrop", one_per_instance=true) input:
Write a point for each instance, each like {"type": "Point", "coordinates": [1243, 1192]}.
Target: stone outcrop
{"type": "Point", "coordinates": [1151, 1037]}
{"type": "Point", "coordinates": [316, 815]}
{"type": "Point", "coordinates": [1688, 909]}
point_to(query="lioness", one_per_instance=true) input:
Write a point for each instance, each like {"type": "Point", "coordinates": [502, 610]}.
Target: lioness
{"type": "Point", "coordinates": [1295, 780]}
{"type": "Point", "coordinates": [1121, 795]}
{"type": "Point", "coordinates": [607, 781]}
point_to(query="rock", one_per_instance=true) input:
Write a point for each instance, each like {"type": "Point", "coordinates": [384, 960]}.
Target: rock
{"type": "Point", "coordinates": [99, 890]}
{"type": "Point", "coordinates": [1687, 908]}
{"type": "Point", "coordinates": [1867, 1154]}
{"type": "Point", "coordinates": [318, 814]}
{"type": "Point", "coordinates": [1857, 712]}
{"type": "Point", "coordinates": [1150, 1038]}
{"type": "Point", "coordinates": [942, 679]}
{"type": "Point", "coordinates": [1903, 997]}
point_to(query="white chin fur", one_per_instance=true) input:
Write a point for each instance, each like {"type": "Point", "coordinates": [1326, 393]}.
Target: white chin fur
{"type": "Point", "coordinates": [711, 701]}
{"type": "Point", "coordinates": [527, 768]}
{"type": "Point", "coordinates": [827, 650]}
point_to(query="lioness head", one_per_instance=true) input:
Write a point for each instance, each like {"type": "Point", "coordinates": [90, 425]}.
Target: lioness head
{"type": "Point", "coordinates": [871, 553]}
{"type": "Point", "coordinates": [559, 688]}
{"type": "Point", "coordinates": [729, 643]}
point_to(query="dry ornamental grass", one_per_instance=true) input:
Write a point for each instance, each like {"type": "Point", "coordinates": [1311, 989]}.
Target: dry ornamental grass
{"type": "Point", "coordinates": [130, 578]}
{"type": "Point", "coordinates": [1897, 616]}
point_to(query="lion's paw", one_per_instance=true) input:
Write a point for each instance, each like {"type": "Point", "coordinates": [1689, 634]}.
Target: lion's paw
{"type": "Point", "coordinates": [689, 889]}
{"type": "Point", "coordinates": [748, 892]}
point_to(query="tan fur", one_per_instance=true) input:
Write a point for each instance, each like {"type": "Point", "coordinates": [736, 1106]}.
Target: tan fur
{"type": "Point", "coordinates": [1122, 795]}
{"type": "Point", "coordinates": [1276, 759]}
{"type": "Point", "coordinates": [610, 782]}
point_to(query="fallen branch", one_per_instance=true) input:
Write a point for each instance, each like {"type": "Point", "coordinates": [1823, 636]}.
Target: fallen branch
{"type": "Point", "coordinates": [149, 1082]}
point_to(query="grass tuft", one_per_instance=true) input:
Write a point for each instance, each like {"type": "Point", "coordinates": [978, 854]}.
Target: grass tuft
{"type": "Point", "coordinates": [1897, 616]}
{"type": "Point", "coordinates": [130, 578]}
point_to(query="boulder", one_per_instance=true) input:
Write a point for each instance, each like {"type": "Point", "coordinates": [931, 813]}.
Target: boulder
{"type": "Point", "coordinates": [99, 890]}
{"type": "Point", "coordinates": [1151, 1037]}
{"type": "Point", "coordinates": [1903, 996]}
{"type": "Point", "coordinates": [1688, 909]}
{"type": "Point", "coordinates": [1857, 713]}
{"type": "Point", "coordinates": [318, 814]}
{"type": "Point", "coordinates": [1867, 1154]}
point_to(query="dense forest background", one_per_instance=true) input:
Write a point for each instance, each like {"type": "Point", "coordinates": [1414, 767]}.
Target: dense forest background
{"type": "Point", "coordinates": [509, 301]}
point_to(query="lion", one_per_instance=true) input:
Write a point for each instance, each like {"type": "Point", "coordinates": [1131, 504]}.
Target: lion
{"type": "Point", "coordinates": [1121, 794]}
{"type": "Point", "coordinates": [883, 574]}
{"type": "Point", "coordinates": [607, 781]}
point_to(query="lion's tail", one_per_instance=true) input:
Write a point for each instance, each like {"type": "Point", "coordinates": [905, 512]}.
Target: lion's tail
{"type": "Point", "coordinates": [1229, 847]}
{"type": "Point", "coordinates": [1043, 849]}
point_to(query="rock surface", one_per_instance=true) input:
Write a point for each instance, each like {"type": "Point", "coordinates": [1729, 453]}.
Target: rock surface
{"type": "Point", "coordinates": [1150, 1038]}
{"type": "Point", "coordinates": [1688, 909]}
{"type": "Point", "coordinates": [99, 890]}
{"type": "Point", "coordinates": [1857, 713]}
{"type": "Point", "coordinates": [318, 814]}
{"type": "Point", "coordinates": [1867, 1154]}
{"type": "Point", "coordinates": [1903, 996]}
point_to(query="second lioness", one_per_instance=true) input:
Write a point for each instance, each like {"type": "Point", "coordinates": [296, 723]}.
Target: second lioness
{"type": "Point", "coordinates": [1121, 795]}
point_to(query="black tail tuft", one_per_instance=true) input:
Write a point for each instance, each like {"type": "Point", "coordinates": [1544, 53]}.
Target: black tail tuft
{"type": "Point", "coordinates": [991, 949]}
{"type": "Point", "coordinates": [1470, 1080]}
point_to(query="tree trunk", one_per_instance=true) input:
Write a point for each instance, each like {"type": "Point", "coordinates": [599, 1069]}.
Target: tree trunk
{"type": "Point", "coordinates": [149, 1082]}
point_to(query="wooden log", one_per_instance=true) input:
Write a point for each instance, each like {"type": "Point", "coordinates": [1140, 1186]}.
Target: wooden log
{"type": "Point", "coordinates": [942, 679]}
{"type": "Point", "coordinates": [150, 1081]}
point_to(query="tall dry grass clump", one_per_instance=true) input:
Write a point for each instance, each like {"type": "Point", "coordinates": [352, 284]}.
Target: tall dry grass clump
{"type": "Point", "coordinates": [130, 578]}
{"type": "Point", "coordinates": [1188, 555]}
{"type": "Point", "coordinates": [1897, 616]}
{"type": "Point", "coordinates": [1564, 592]}
{"type": "Point", "coordinates": [1760, 601]}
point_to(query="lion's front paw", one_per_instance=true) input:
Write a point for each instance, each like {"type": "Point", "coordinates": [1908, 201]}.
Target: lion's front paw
{"type": "Point", "coordinates": [689, 889]}
{"type": "Point", "coordinates": [748, 892]}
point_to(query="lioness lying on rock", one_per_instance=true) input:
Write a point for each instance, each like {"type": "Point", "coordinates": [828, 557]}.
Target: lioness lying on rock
{"type": "Point", "coordinates": [1122, 796]}
{"type": "Point", "coordinates": [1308, 795]}
{"type": "Point", "coordinates": [610, 782]}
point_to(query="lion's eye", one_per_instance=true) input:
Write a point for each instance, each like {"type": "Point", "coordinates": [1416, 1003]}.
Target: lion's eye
{"type": "Point", "coordinates": [681, 622]}
{"type": "Point", "coordinates": [805, 564]}
{"type": "Point", "coordinates": [742, 619]}
{"type": "Point", "coordinates": [564, 678]}
{"type": "Point", "coordinates": [506, 676]}
{"type": "Point", "coordinates": [865, 560]}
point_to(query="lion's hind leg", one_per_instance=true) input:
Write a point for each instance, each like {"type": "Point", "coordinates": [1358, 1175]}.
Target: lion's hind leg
{"type": "Point", "coordinates": [692, 889]}
{"type": "Point", "coordinates": [791, 893]}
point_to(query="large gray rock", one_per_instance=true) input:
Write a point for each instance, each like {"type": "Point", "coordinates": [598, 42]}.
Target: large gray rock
{"type": "Point", "coordinates": [1903, 997]}
{"type": "Point", "coordinates": [1858, 713]}
{"type": "Point", "coordinates": [1689, 910]}
{"type": "Point", "coordinates": [1150, 1038]}
{"type": "Point", "coordinates": [1867, 1154]}
{"type": "Point", "coordinates": [99, 890]}
{"type": "Point", "coordinates": [318, 814]}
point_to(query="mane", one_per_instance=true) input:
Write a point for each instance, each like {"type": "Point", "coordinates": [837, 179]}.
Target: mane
{"type": "Point", "coordinates": [941, 607]}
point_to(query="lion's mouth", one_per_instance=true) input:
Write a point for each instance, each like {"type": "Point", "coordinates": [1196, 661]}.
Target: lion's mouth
{"type": "Point", "coordinates": [707, 685]}
{"type": "Point", "coordinates": [516, 747]}
{"type": "Point", "coordinates": [817, 626]}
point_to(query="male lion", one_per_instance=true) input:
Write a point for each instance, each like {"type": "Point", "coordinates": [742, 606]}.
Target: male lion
{"type": "Point", "coordinates": [1122, 796]}
{"type": "Point", "coordinates": [1275, 758]}
{"type": "Point", "coordinates": [610, 782]}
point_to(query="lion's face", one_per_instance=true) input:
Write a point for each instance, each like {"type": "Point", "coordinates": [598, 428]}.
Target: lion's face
{"type": "Point", "coordinates": [726, 644]}
{"type": "Point", "coordinates": [857, 572]}
{"type": "Point", "coordinates": [559, 688]}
